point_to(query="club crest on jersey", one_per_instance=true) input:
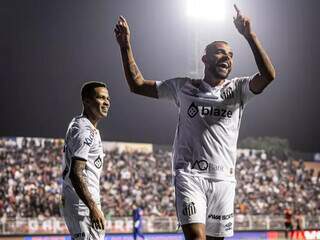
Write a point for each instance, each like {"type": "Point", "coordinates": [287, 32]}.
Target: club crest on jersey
{"type": "Point", "coordinates": [227, 93]}
{"type": "Point", "coordinates": [98, 162]}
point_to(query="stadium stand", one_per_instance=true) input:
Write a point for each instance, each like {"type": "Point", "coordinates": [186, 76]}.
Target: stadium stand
{"type": "Point", "coordinates": [31, 171]}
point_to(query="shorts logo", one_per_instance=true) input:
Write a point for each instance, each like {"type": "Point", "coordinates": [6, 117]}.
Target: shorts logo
{"type": "Point", "coordinates": [200, 164]}
{"type": "Point", "coordinates": [98, 162]}
{"type": "Point", "coordinates": [192, 110]}
{"type": "Point", "coordinates": [228, 226]}
{"type": "Point", "coordinates": [221, 217]}
{"type": "Point", "coordinates": [189, 209]}
{"type": "Point", "coordinates": [78, 236]}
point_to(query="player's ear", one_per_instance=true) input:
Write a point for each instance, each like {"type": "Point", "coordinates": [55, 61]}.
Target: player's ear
{"type": "Point", "coordinates": [85, 101]}
{"type": "Point", "coordinates": [204, 59]}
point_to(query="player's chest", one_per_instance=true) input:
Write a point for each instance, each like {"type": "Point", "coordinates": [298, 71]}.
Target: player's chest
{"type": "Point", "coordinates": [96, 146]}
{"type": "Point", "coordinates": [212, 103]}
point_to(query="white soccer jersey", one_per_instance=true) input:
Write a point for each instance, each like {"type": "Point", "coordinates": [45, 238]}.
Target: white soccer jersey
{"type": "Point", "coordinates": [82, 142]}
{"type": "Point", "coordinates": [208, 125]}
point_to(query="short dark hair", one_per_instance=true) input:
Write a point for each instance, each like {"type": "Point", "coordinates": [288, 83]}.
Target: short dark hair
{"type": "Point", "coordinates": [210, 45]}
{"type": "Point", "coordinates": [87, 89]}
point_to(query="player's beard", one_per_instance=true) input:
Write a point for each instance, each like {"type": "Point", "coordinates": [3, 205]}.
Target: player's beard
{"type": "Point", "coordinates": [213, 69]}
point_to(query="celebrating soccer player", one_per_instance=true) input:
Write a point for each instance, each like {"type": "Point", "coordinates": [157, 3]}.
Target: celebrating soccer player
{"type": "Point", "coordinates": [83, 165]}
{"type": "Point", "coordinates": [210, 111]}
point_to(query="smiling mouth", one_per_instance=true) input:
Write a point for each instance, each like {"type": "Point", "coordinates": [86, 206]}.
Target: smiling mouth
{"type": "Point", "coordinates": [223, 65]}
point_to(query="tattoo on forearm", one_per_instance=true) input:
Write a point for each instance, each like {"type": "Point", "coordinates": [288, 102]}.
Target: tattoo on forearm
{"type": "Point", "coordinates": [135, 72]}
{"type": "Point", "coordinates": [79, 183]}
{"type": "Point", "coordinates": [132, 71]}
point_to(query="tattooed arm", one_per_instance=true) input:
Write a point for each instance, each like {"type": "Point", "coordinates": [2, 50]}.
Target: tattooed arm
{"type": "Point", "coordinates": [267, 71]}
{"type": "Point", "coordinates": [134, 77]}
{"type": "Point", "coordinates": [80, 185]}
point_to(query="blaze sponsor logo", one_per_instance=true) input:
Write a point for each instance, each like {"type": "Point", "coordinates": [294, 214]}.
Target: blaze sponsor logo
{"type": "Point", "coordinates": [98, 162]}
{"type": "Point", "coordinates": [192, 110]}
{"type": "Point", "coordinates": [189, 209]}
{"type": "Point", "coordinates": [216, 112]}
{"type": "Point", "coordinates": [204, 111]}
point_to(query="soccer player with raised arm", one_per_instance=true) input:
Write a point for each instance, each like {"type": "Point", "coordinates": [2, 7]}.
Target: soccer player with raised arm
{"type": "Point", "coordinates": [82, 166]}
{"type": "Point", "coordinates": [210, 111]}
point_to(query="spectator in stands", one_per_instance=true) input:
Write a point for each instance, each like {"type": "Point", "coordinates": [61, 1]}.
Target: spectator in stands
{"type": "Point", "coordinates": [30, 184]}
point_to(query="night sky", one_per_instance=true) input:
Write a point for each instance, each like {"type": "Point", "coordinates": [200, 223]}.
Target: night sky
{"type": "Point", "coordinates": [48, 49]}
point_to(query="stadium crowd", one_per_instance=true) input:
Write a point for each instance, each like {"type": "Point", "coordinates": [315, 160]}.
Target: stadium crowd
{"type": "Point", "coordinates": [30, 182]}
{"type": "Point", "coordinates": [270, 186]}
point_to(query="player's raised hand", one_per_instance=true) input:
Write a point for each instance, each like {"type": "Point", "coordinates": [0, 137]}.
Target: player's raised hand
{"type": "Point", "coordinates": [242, 23]}
{"type": "Point", "coordinates": [122, 32]}
{"type": "Point", "coordinates": [97, 218]}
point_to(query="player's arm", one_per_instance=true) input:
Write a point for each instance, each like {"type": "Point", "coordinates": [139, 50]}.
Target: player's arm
{"type": "Point", "coordinates": [266, 69]}
{"type": "Point", "coordinates": [137, 223]}
{"type": "Point", "coordinates": [136, 81]}
{"type": "Point", "coordinates": [80, 185]}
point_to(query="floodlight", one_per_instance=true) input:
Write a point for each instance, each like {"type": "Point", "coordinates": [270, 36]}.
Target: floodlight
{"type": "Point", "coordinates": [210, 10]}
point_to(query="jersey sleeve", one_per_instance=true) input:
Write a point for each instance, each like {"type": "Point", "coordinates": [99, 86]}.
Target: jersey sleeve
{"type": "Point", "coordinates": [168, 89]}
{"type": "Point", "coordinates": [245, 92]}
{"type": "Point", "coordinates": [81, 140]}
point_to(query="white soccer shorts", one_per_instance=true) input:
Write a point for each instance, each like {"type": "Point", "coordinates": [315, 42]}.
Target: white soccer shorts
{"type": "Point", "coordinates": [80, 227]}
{"type": "Point", "coordinates": [207, 201]}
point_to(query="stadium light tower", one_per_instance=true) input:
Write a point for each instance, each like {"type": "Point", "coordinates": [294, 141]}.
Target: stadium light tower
{"type": "Point", "coordinates": [210, 10]}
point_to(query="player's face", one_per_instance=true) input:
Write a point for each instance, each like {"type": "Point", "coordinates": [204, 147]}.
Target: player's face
{"type": "Point", "coordinates": [100, 103]}
{"type": "Point", "coordinates": [219, 60]}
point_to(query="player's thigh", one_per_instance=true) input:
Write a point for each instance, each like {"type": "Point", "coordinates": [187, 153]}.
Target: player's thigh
{"type": "Point", "coordinates": [94, 233]}
{"type": "Point", "coordinates": [80, 227]}
{"type": "Point", "coordinates": [191, 203]}
{"type": "Point", "coordinates": [194, 231]}
{"type": "Point", "coordinates": [220, 213]}
{"type": "Point", "coordinates": [74, 225]}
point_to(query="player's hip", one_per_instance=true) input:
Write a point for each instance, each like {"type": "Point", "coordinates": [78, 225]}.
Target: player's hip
{"type": "Point", "coordinates": [206, 201]}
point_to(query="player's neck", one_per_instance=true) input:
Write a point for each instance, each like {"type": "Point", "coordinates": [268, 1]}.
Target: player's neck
{"type": "Point", "coordinates": [212, 80]}
{"type": "Point", "coordinates": [94, 121]}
